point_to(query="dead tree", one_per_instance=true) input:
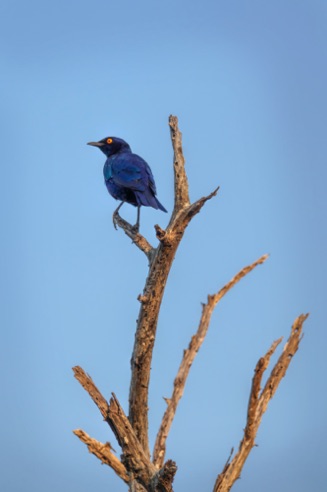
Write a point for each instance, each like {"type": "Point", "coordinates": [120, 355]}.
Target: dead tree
{"type": "Point", "coordinates": [136, 466]}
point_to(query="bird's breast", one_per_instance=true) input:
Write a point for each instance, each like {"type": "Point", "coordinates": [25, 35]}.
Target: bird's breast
{"type": "Point", "coordinates": [107, 170]}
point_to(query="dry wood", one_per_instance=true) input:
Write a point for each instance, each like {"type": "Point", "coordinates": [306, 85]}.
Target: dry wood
{"type": "Point", "coordinates": [151, 298]}
{"type": "Point", "coordinates": [181, 195]}
{"type": "Point", "coordinates": [136, 237]}
{"type": "Point", "coordinates": [86, 381]}
{"type": "Point", "coordinates": [187, 361]}
{"type": "Point", "coordinates": [134, 458]}
{"type": "Point", "coordinates": [163, 480]}
{"type": "Point", "coordinates": [258, 403]}
{"type": "Point", "coordinates": [103, 453]}
{"type": "Point", "coordinates": [142, 474]}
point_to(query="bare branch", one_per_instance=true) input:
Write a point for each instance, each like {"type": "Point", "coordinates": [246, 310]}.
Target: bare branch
{"type": "Point", "coordinates": [86, 381]}
{"type": "Point", "coordinates": [135, 236]}
{"type": "Point", "coordinates": [258, 403]}
{"type": "Point", "coordinates": [134, 459]}
{"type": "Point", "coordinates": [119, 423]}
{"type": "Point", "coordinates": [103, 453]}
{"type": "Point", "coordinates": [281, 367]}
{"type": "Point", "coordinates": [187, 361]}
{"type": "Point", "coordinates": [180, 178]}
{"type": "Point", "coordinates": [154, 289]}
{"type": "Point", "coordinates": [254, 399]}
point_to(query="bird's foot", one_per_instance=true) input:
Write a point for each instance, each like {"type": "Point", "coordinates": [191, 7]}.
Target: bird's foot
{"type": "Point", "coordinates": [115, 217]}
{"type": "Point", "coordinates": [136, 228]}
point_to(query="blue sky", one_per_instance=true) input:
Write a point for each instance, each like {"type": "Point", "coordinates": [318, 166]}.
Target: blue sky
{"type": "Point", "coordinates": [248, 83]}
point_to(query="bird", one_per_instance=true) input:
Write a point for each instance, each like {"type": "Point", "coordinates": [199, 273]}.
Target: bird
{"type": "Point", "coordinates": [127, 177]}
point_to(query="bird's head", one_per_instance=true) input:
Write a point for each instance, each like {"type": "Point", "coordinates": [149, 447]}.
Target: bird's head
{"type": "Point", "coordinates": [111, 145]}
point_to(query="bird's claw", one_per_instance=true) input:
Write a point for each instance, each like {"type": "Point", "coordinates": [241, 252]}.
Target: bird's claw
{"type": "Point", "coordinates": [136, 228]}
{"type": "Point", "coordinates": [115, 219]}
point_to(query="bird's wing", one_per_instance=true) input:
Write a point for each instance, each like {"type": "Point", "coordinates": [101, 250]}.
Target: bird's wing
{"type": "Point", "coordinates": [131, 171]}
{"type": "Point", "coordinates": [150, 178]}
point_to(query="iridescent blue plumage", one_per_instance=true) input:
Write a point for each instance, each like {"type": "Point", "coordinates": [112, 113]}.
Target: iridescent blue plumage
{"type": "Point", "coordinates": [127, 176]}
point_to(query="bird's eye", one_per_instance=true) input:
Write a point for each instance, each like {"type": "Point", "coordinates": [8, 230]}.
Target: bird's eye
{"type": "Point", "coordinates": [109, 140]}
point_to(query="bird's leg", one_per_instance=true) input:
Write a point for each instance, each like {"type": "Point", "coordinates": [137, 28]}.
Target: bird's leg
{"type": "Point", "coordinates": [114, 215]}
{"type": "Point", "coordinates": [136, 227]}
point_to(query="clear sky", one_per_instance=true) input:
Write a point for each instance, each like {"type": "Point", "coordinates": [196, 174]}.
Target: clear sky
{"type": "Point", "coordinates": [247, 80]}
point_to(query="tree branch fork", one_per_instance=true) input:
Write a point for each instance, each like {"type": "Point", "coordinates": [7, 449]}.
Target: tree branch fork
{"type": "Point", "coordinates": [135, 467]}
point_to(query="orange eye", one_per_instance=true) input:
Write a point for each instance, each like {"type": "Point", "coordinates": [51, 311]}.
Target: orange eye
{"type": "Point", "coordinates": [109, 140]}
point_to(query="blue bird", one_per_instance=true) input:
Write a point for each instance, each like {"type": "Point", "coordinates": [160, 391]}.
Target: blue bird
{"type": "Point", "coordinates": [127, 176]}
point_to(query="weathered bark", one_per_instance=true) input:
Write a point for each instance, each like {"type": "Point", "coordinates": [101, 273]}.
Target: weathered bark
{"type": "Point", "coordinates": [141, 472]}
{"type": "Point", "coordinates": [160, 264]}
{"type": "Point", "coordinates": [103, 453]}
{"type": "Point", "coordinates": [258, 402]}
{"type": "Point", "coordinates": [187, 361]}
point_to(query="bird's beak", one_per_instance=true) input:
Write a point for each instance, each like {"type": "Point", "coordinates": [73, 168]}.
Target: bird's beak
{"type": "Point", "coordinates": [95, 144]}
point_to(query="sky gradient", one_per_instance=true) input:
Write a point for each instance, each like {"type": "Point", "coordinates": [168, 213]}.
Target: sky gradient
{"type": "Point", "coordinates": [248, 83]}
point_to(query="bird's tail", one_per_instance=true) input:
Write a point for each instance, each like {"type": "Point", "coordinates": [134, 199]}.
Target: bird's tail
{"type": "Point", "coordinates": [161, 207]}
{"type": "Point", "coordinates": [147, 199]}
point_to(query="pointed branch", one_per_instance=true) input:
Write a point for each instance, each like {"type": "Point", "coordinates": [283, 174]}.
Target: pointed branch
{"type": "Point", "coordinates": [86, 381]}
{"type": "Point", "coordinates": [279, 370]}
{"type": "Point", "coordinates": [103, 453]}
{"type": "Point", "coordinates": [180, 178]}
{"type": "Point", "coordinates": [134, 458]}
{"type": "Point", "coordinates": [196, 206]}
{"type": "Point", "coordinates": [258, 402]}
{"type": "Point", "coordinates": [187, 361]}
{"type": "Point", "coordinates": [260, 368]}
{"type": "Point", "coordinates": [119, 423]}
